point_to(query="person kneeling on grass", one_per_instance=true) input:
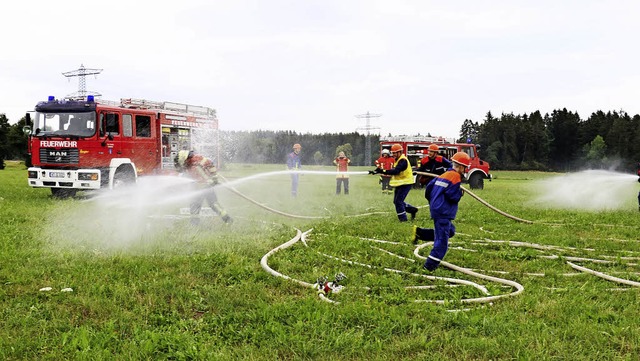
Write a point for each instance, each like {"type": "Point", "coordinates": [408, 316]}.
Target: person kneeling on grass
{"type": "Point", "coordinates": [443, 194]}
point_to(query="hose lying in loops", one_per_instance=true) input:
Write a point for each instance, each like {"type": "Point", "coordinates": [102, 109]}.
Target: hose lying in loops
{"type": "Point", "coordinates": [265, 265]}
{"type": "Point", "coordinates": [519, 288]}
{"type": "Point", "coordinates": [301, 236]}
{"type": "Point", "coordinates": [483, 201]}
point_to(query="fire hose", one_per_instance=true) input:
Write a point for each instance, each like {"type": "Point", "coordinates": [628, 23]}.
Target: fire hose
{"type": "Point", "coordinates": [483, 202]}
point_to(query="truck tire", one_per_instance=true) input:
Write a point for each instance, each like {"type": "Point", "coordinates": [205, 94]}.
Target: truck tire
{"type": "Point", "coordinates": [476, 181]}
{"type": "Point", "coordinates": [123, 177]}
{"type": "Point", "coordinates": [63, 192]}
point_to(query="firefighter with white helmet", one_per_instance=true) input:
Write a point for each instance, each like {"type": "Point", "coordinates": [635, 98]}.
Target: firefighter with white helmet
{"type": "Point", "coordinates": [203, 171]}
{"type": "Point", "coordinates": [294, 164]}
{"type": "Point", "coordinates": [385, 162]}
{"type": "Point", "coordinates": [443, 194]}
{"type": "Point", "coordinates": [401, 181]}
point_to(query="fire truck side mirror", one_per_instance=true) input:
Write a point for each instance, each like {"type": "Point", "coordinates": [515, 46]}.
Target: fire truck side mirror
{"type": "Point", "coordinates": [26, 130]}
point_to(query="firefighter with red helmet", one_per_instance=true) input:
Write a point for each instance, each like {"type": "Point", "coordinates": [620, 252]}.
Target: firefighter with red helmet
{"type": "Point", "coordinates": [202, 170]}
{"type": "Point", "coordinates": [433, 163]}
{"type": "Point", "coordinates": [342, 177]}
{"type": "Point", "coordinates": [443, 194]}
{"type": "Point", "coordinates": [294, 164]}
{"type": "Point", "coordinates": [401, 182]}
{"type": "Point", "coordinates": [385, 162]}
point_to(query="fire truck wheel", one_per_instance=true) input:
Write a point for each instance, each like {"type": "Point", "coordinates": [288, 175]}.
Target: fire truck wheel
{"type": "Point", "coordinates": [123, 177]}
{"type": "Point", "coordinates": [476, 181]}
{"type": "Point", "coordinates": [63, 192]}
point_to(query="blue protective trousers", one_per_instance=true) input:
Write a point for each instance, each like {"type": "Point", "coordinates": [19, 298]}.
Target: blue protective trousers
{"type": "Point", "coordinates": [399, 195]}
{"type": "Point", "coordinates": [443, 230]}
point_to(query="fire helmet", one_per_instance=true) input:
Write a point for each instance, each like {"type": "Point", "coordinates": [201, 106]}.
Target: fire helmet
{"type": "Point", "coordinates": [386, 151]}
{"type": "Point", "coordinates": [396, 148]}
{"type": "Point", "coordinates": [461, 158]}
{"type": "Point", "coordinates": [183, 155]}
{"type": "Point", "coordinates": [434, 148]}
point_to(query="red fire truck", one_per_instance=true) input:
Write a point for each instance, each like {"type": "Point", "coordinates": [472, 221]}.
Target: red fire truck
{"type": "Point", "coordinates": [415, 148]}
{"type": "Point", "coordinates": [91, 144]}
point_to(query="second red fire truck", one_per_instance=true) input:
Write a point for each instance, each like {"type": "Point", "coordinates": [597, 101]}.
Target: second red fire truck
{"type": "Point", "coordinates": [415, 148]}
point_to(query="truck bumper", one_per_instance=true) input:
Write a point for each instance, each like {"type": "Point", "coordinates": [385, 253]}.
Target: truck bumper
{"type": "Point", "coordinates": [64, 178]}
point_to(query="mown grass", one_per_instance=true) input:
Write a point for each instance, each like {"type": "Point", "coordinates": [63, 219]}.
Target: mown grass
{"type": "Point", "coordinates": [158, 288]}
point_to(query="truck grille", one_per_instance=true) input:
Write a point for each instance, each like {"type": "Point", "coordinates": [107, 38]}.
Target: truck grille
{"type": "Point", "coordinates": [59, 156]}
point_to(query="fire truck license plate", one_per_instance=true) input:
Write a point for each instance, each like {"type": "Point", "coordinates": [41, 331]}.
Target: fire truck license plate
{"type": "Point", "coordinates": [56, 174]}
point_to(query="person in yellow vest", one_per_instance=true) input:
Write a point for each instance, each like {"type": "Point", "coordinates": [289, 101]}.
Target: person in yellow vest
{"type": "Point", "coordinates": [401, 182]}
{"type": "Point", "coordinates": [342, 178]}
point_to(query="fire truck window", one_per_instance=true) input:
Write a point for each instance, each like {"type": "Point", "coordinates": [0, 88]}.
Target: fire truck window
{"type": "Point", "coordinates": [112, 125]}
{"type": "Point", "coordinates": [143, 126]}
{"type": "Point", "coordinates": [127, 125]}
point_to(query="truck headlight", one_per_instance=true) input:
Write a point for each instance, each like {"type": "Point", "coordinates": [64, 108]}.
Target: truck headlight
{"type": "Point", "coordinates": [88, 176]}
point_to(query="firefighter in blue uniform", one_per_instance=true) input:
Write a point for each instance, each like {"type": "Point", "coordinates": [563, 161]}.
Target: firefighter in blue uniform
{"type": "Point", "coordinates": [443, 194]}
{"type": "Point", "coordinates": [294, 164]}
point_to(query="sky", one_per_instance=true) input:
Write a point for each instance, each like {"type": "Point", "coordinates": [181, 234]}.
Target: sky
{"type": "Point", "coordinates": [416, 66]}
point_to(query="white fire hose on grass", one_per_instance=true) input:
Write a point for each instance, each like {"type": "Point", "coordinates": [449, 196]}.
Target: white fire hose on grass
{"type": "Point", "coordinates": [483, 201]}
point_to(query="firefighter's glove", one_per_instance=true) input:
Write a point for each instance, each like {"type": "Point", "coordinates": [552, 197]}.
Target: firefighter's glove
{"type": "Point", "coordinates": [372, 172]}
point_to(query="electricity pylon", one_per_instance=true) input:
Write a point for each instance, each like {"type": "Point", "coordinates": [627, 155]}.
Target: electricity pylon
{"type": "Point", "coordinates": [367, 128]}
{"type": "Point", "coordinates": [82, 84]}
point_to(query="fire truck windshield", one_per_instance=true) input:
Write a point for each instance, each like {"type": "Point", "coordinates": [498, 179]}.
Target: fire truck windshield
{"type": "Point", "coordinates": [64, 124]}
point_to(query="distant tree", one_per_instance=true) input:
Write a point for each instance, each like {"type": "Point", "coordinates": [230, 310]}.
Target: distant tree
{"type": "Point", "coordinates": [533, 142]}
{"type": "Point", "coordinates": [18, 142]}
{"type": "Point", "coordinates": [468, 132]}
{"type": "Point", "coordinates": [596, 153]}
{"type": "Point", "coordinates": [620, 137]}
{"type": "Point", "coordinates": [318, 157]}
{"type": "Point", "coordinates": [563, 127]}
{"type": "Point", "coordinates": [4, 146]}
{"type": "Point", "coordinates": [346, 148]}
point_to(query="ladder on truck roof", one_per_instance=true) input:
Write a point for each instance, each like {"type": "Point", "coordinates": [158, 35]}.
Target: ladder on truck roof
{"type": "Point", "coordinates": [170, 106]}
{"type": "Point", "coordinates": [414, 139]}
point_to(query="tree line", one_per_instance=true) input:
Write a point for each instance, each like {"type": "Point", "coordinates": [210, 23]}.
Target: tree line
{"type": "Point", "coordinates": [556, 141]}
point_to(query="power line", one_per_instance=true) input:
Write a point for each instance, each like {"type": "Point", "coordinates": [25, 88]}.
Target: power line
{"type": "Point", "coordinates": [81, 73]}
{"type": "Point", "coordinates": [367, 150]}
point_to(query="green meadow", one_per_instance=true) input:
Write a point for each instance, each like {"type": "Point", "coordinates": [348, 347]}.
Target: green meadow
{"type": "Point", "coordinates": [128, 277]}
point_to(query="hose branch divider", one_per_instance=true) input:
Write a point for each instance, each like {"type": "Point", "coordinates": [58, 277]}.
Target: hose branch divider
{"type": "Point", "coordinates": [483, 202]}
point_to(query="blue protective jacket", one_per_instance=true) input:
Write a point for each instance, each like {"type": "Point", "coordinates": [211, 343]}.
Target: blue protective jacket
{"type": "Point", "coordinates": [443, 194]}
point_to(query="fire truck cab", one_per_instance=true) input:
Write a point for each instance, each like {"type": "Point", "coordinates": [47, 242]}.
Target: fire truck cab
{"type": "Point", "coordinates": [89, 144]}
{"type": "Point", "coordinates": [416, 148]}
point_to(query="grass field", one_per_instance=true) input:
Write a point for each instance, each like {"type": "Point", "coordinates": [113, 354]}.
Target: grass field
{"type": "Point", "coordinates": [132, 279]}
